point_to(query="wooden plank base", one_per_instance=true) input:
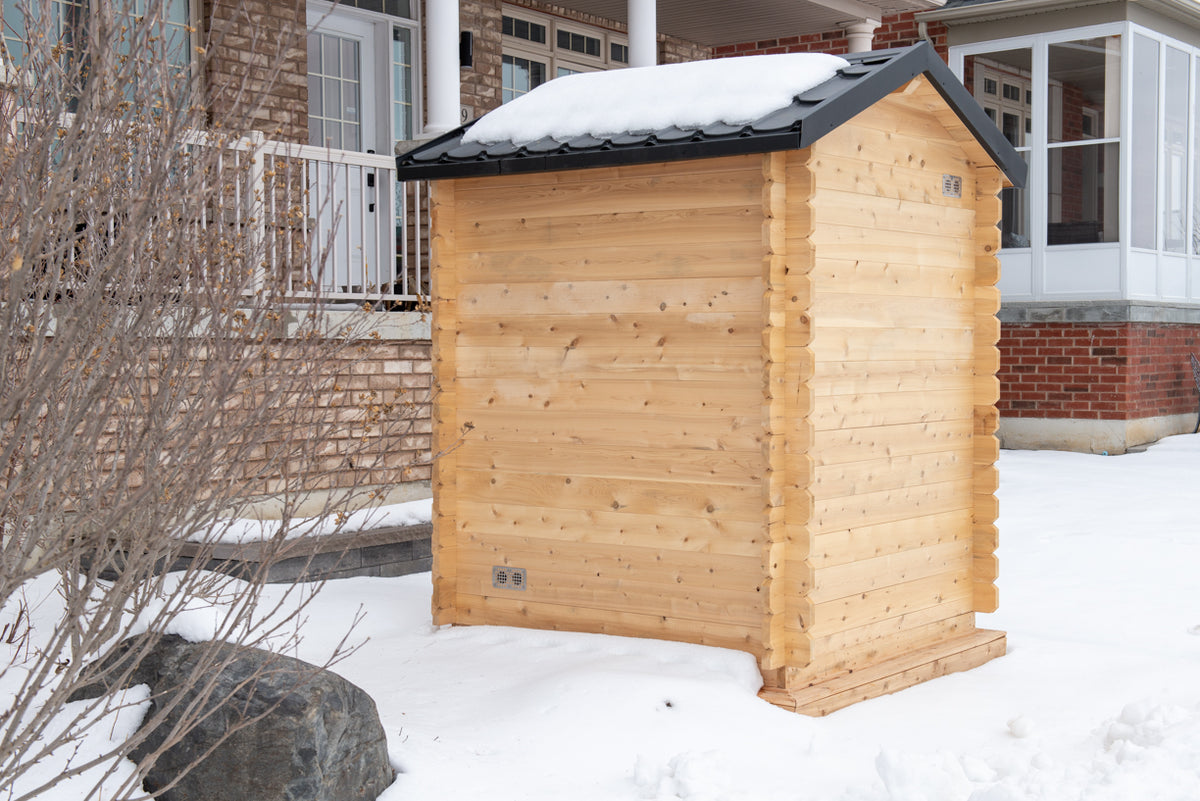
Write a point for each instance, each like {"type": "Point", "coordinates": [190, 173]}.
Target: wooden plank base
{"type": "Point", "coordinates": [960, 653]}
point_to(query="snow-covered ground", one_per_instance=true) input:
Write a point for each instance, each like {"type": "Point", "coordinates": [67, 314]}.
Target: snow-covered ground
{"type": "Point", "coordinates": [1098, 697]}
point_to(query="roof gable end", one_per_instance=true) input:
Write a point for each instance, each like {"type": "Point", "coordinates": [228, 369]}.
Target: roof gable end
{"type": "Point", "coordinates": [868, 78]}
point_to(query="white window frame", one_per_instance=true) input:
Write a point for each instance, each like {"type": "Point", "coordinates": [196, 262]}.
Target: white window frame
{"type": "Point", "coordinates": [195, 20]}
{"type": "Point", "coordinates": [1157, 274]}
{"type": "Point", "coordinates": [382, 68]}
{"type": "Point", "coordinates": [551, 54]}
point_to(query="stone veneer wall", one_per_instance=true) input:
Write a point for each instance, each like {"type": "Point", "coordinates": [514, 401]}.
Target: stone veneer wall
{"type": "Point", "coordinates": [246, 37]}
{"type": "Point", "coordinates": [383, 464]}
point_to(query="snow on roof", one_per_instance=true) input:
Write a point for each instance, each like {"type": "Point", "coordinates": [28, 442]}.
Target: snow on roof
{"type": "Point", "coordinates": [734, 91]}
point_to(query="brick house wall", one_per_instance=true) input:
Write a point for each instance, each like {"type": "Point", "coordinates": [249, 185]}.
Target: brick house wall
{"type": "Point", "coordinates": [896, 30]}
{"type": "Point", "coordinates": [1122, 371]}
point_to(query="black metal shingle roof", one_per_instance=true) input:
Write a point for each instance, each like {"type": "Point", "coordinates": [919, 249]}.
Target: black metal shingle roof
{"type": "Point", "coordinates": [869, 78]}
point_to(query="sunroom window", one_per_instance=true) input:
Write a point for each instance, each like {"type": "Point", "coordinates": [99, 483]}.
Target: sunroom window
{"type": "Point", "coordinates": [1112, 138]}
{"type": "Point", "coordinates": [1083, 141]}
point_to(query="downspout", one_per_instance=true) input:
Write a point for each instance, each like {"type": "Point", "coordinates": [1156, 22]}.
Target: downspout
{"type": "Point", "coordinates": [923, 32]}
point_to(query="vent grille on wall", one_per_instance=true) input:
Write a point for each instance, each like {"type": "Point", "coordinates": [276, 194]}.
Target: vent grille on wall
{"type": "Point", "coordinates": [508, 578]}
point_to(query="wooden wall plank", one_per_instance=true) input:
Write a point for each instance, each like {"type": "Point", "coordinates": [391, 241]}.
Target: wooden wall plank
{"type": "Point", "coordinates": [835, 446]}
{"type": "Point", "coordinates": [870, 344]}
{"type": "Point", "coordinates": [447, 431]}
{"type": "Point", "coordinates": [869, 310]}
{"type": "Point", "coordinates": [987, 388]}
{"type": "Point", "coordinates": [855, 478]}
{"type": "Point", "coordinates": [830, 583]}
{"type": "Point", "coordinates": [722, 183]}
{"type": "Point", "coordinates": [728, 433]}
{"type": "Point", "coordinates": [883, 409]}
{"type": "Point", "coordinates": [848, 378]}
{"type": "Point", "coordinates": [895, 277]}
{"type": "Point", "coordinates": [891, 601]}
{"type": "Point", "coordinates": [860, 543]}
{"type": "Point", "coordinates": [646, 329]}
{"type": "Point", "coordinates": [691, 465]}
{"type": "Point", "coordinates": [713, 535]}
{"type": "Point", "coordinates": [869, 136]}
{"type": "Point", "coordinates": [863, 176]}
{"type": "Point", "coordinates": [738, 578]}
{"type": "Point", "coordinates": [616, 297]}
{"type": "Point", "coordinates": [845, 653]}
{"type": "Point", "coordinates": [522, 393]}
{"type": "Point", "coordinates": [681, 499]}
{"type": "Point", "coordinates": [682, 602]}
{"type": "Point", "coordinates": [592, 227]}
{"type": "Point", "coordinates": [494, 611]}
{"type": "Point", "coordinates": [775, 404]}
{"type": "Point", "coordinates": [797, 390]}
{"type": "Point", "coordinates": [900, 216]}
{"type": "Point", "coordinates": [609, 262]}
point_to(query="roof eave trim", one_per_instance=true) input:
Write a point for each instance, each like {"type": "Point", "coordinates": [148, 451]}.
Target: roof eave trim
{"type": "Point", "coordinates": [1003, 9]}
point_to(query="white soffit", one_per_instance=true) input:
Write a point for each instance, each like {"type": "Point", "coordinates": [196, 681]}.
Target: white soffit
{"type": "Point", "coordinates": [719, 22]}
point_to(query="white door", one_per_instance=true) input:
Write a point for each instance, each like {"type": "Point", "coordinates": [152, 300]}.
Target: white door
{"type": "Point", "coordinates": [347, 111]}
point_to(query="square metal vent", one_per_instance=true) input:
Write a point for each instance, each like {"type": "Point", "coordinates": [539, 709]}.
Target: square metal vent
{"type": "Point", "coordinates": [508, 578]}
{"type": "Point", "coordinates": [952, 185]}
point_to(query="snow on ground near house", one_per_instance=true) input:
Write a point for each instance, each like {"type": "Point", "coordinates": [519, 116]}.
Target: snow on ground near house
{"type": "Point", "coordinates": [645, 99]}
{"type": "Point", "coordinates": [1097, 699]}
{"type": "Point", "coordinates": [238, 531]}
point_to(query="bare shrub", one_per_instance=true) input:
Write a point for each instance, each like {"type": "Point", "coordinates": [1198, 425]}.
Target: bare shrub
{"type": "Point", "coordinates": [152, 374]}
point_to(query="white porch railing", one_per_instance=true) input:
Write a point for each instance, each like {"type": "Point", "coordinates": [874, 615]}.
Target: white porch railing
{"type": "Point", "coordinates": [366, 236]}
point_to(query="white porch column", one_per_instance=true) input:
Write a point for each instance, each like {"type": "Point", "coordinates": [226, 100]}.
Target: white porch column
{"type": "Point", "coordinates": [643, 33]}
{"type": "Point", "coordinates": [860, 34]}
{"type": "Point", "coordinates": [444, 83]}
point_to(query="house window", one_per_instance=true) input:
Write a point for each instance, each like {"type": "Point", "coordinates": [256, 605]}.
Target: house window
{"type": "Point", "coordinates": [1002, 83]}
{"type": "Point", "coordinates": [362, 70]}
{"type": "Point", "coordinates": [538, 47]}
{"type": "Point", "coordinates": [578, 42]}
{"type": "Point", "coordinates": [1175, 150]}
{"type": "Point", "coordinates": [335, 91]}
{"type": "Point", "coordinates": [1083, 141]}
{"type": "Point", "coordinates": [524, 29]}
{"type": "Point", "coordinates": [1144, 143]}
{"type": "Point", "coordinates": [65, 22]}
{"type": "Point", "coordinates": [520, 75]}
{"type": "Point", "coordinates": [403, 101]}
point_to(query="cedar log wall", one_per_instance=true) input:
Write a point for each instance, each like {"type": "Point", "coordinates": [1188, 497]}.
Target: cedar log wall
{"type": "Point", "coordinates": [902, 306]}
{"type": "Point", "coordinates": [598, 343]}
{"type": "Point", "coordinates": [745, 402]}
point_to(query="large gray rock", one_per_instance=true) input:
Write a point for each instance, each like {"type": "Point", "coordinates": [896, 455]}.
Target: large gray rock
{"type": "Point", "coordinates": [319, 737]}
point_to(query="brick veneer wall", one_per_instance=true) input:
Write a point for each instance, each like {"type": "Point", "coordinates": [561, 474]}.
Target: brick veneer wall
{"type": "Point", "coordinates": [896, 30]}
{"type": "Point", "coordinates": [386, 371]}
{"type": "Point", "coordinates": [1121, 371]}
{"type": "Point", "coordinates": [481, 81]}
{"type": "Point", "coordinates": [247, 38]}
